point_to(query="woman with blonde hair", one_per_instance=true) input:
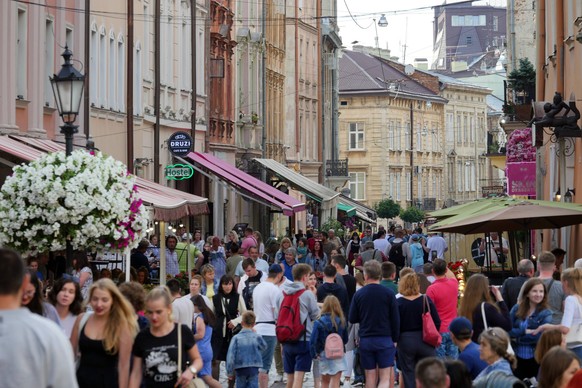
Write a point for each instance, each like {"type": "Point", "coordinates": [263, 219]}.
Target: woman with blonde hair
{"type": "Point", "coordinates": [530, 313]}
{"type": "Point", "coordinates": [493, 350]}
{"type": "Point", "coordinates": [259, 237]}
{"type": "Point", "coordinates": [411, 348]}
{"type": "Point", "coordinates": [209, 283]}
{"type": "Point", "coordinates": [280, 255]}
{"type": "Point", "coordinates": [104, 337]}
{"type": "Point", "coordinates": [232, 238]}
{"type": "Point", "coordinates": [332, 320]}
{"type": "Point", "coordinates": [478, 299]}
{"type": "Point", "coordinates": [160, 341]}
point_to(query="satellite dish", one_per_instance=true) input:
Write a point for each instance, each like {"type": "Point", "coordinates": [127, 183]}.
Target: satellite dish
{"type": "Point", "coordinates": [409, 70]}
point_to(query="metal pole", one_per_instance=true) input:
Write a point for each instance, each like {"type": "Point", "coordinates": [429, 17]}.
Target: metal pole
{"type": "Point", "coordinates": [69, 130]}
{"type": "Point", "coordinates": [411, 154]}
{"type": "Point", "coordinates": [129, 83]}
{"type": "Point", "coordinates": [157, 89]}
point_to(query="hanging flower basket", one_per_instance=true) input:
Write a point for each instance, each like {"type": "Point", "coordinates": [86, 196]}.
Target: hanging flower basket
{"type": "Point", "coordinates": [89, 199]}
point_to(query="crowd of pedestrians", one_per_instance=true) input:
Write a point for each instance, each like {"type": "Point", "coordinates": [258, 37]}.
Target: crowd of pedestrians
{"type": "Point", "coordinates": [349, 313]}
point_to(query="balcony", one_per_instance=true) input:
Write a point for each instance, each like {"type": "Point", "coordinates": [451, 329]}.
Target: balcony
{"type": "Point", "coordinates": [336, 168]}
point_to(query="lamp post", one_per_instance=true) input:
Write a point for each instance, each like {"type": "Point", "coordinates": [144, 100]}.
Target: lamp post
{"type": "Point", "coordinates": [68, 91]}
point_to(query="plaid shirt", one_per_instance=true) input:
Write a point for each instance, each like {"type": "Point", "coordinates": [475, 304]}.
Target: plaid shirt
{"type": "Point", "coordinates": [172, 266]}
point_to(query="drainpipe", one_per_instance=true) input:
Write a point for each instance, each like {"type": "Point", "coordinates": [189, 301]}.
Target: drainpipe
{"type": "Point", "coordinates": [322, 90]}
{"type": "Point", "coordinates": [540, 91]}
{"type": "Point", "coordinates": [87, 95]}
{"type": "Point", "coordinates": [129, 83]}
{"type": "Point", "coordinates": [512, 33]}
{"type": "Point", "coordinates": [157, 89]}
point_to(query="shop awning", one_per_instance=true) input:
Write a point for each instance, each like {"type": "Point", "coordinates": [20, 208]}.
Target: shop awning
{"type": "Point", "coordinates": [362, 212]}
{"type": "Point", "coordinates": [350, 210]}
{"type": "Point", "coordinates": [301, 183]}
{"type": "Point", "coordinates": [247, 185]}
{"type": "Point", "coordinates": [168, 204]}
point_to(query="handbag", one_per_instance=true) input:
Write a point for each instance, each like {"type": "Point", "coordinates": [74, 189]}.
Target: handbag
{"type": "Point", "coordinates": [509, 347]}
{"type": "Point", "coordinates": [235, 330]}
{"type": "Point", "coordinates": [195, 382]}
{"type": "Point", "coordinates": [574, 336]}
{"type": "Point", "coordinates": [430, 334]}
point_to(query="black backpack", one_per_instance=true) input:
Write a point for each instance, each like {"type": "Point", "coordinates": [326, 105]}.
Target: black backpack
{"type": "Point", "coordinates": [396, 255]}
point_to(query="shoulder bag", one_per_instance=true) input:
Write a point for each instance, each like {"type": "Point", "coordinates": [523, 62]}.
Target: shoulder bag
{"type": "Point", "coordinates": [196, 382]}
{"type": "Point", "coordinates": [574, 336]}
{"type": "Point", "coordinates": [430, 334]}
{"type": "Point", "coordinates": [509, 347]}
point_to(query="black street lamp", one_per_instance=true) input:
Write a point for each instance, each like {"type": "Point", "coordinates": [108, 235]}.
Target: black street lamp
{"type": "Point", "coordinates": [68, 90]}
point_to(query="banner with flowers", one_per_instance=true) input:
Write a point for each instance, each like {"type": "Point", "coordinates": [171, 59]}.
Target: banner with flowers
{"type": "Point", "coordinates": [88, 199]}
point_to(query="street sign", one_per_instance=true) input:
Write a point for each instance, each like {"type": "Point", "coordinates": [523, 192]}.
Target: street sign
{"type": "Point", "coordinates": [180, 143]}
{"type": "Point", "coordinates": [179, 172]}
{"type": "Point", "coordinates": [492, 191]}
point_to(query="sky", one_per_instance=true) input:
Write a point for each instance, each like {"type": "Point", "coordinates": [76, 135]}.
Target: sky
{"type": "Point", "coordinates": [409, 23]}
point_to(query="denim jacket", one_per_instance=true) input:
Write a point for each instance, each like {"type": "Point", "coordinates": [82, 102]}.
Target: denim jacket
{"type": "Point", "coordinates": [245, 351]}
{"type": "Point", "coordinates": [517, 332]}
{"type": "Point", "coordinates": [321, 329]}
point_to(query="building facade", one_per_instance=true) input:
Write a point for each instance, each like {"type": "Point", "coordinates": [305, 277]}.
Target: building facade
{"type": "Point", "coordinates": [389, 157]}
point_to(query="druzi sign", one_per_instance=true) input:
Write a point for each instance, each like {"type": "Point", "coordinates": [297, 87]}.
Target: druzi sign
{"type": "Point", "coordinates": [179, 172]}
{"type": "Point", "coordinates": [180, 143]}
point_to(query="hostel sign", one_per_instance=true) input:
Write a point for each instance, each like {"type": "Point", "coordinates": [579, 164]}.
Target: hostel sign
{"type": "Point", "coordinates": [179, 172]}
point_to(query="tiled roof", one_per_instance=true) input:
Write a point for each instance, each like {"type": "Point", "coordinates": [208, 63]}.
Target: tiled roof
{"type": "Point", "coordinates": [361, 72]}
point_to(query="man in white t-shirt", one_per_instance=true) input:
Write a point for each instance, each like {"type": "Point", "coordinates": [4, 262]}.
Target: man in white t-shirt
{"type": "Point", "coordinates": [267, 297]}
{"type": "Point", "coordinates": [381, 244]}
{"type": "Point", "coordinates": [261, 264]}
{"type": "Point", "coordinates": [438, 244]}
{"type": "Point", "coordinates": [35, 351]}
{"type": "Point", "coordinates": [182, 308]}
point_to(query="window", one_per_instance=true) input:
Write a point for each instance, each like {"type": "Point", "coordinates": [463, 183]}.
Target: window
{"type": "Point", "coordinates": [186, 60]}
{"type": "Point", "coordinates": [356, 141]}
{"type": "Point", "coordinates": [472, 129]}
{"type": "Point", "coordinates": [120, 73]}
{"type": "Point", "coordinates": [451, 175]}
{"type": "Point", "coordinates": [408, 186]}
{"type": "Point", "coordinates": [102, 68]}
{"type": "Point", "coordinates": [473, 182]}
{"type": "Point", "coordinates": [357, 185]}
{"type": "Point", "coordinates": [459, 130]}
{"type": "Point", "coordinates": [419, 184]}
{"type": "Point", "coordinates": [465, 130]}
{"type": "Point", "coordinates": [200, 73]}
{"type": "Point", "coordinates": [467, 176]}
{"type": "Point", "coordinates": [468, 41]}
{"type": "Point", "coordinates": [112, 92]}
{"type": "Point", "coordinates": [450, 129]}
{"type": "Point", "coordinates": [459, 177]}
{"type": "Point", "coordinates": [398, 135]}
{"type": "Point", "coordinates": [495, 23]}
{"type": "Point", "coordinates": [391, 126]}
{"type": "Point", "coordinates": [21, 53]}
{"type": "Point", "coordinates": [397, 189]}
{"type": "Point", "coordinates": [435, 138]}
{"type": "Point", "coordinates": [146, 41]}
{"type": "Point", "coordinates": [93, 63]}
{"type": "Point", "coordinates": [49, 57]}
{"type": "Point", "coordinates": [391, 181]}
{"type": "Point", "coordinates": [419, 138]}
{"type": "Point", "coordinates": [434, 185]}
{"type": "Point", "coordinates": [138, 81]}
{"type": "Point", "coordinates": [69, 38]}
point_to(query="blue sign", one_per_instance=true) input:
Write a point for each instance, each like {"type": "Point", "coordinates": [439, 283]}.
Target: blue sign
{"type": "Point", "coordinates": [180, 143]}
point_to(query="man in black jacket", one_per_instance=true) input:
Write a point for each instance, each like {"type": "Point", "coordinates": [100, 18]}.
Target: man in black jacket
{"type": "Point", "coordinates": [330, 287]}
{"type": "Point", "coordinates": [512, 286]}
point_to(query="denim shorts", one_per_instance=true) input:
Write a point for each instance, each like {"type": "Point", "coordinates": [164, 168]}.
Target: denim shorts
{"type": "Point", "coordinates": [377, 352]}
{"type": "Point", "coordinates": [267, 354]}
{"type": "Point", "coordinates": [296, 357]}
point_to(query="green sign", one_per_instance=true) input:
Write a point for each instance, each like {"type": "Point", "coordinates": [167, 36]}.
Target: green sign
{"type": "Point", "coordinates": [179, 172]}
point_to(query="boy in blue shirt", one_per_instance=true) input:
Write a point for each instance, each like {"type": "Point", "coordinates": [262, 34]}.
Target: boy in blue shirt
{"type": "Point", "coordinates": [461, 331]}
{"type": "Point", "coordinates": [244, 357]}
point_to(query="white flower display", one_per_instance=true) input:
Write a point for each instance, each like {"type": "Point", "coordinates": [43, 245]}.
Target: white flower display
{"type": "Point", "coordinates": [86, 198]}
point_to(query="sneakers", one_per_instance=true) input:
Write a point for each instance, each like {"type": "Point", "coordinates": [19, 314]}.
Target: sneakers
{"type": "Point", "coordinates": [281, 378]}
{"type": "Point", "coordinates": [357, 383]}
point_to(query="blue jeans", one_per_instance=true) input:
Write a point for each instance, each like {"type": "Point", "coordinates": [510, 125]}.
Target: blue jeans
{"type": "Point", "coordinates": [447, 350]}
{"type": "Point", "coordinates": [247, 381]}
{"type": "Point", "coordinates": [578, 351]}
{"type": "Point", "coordinates": [268, 353]}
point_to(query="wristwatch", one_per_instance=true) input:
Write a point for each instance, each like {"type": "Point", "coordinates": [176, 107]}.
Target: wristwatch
{"type": "Point", "coordinates": [193, 370]}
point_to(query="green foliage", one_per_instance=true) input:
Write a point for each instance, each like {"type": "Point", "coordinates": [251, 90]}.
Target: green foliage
{"type": "Point", "coordinates": [332, 224]}
{"type": "Point", "coordinates": [412, 214]}
{"type": "Point", "coordinates": [523, 78]}
{"type": "Point", "coordinates": [387, 208]}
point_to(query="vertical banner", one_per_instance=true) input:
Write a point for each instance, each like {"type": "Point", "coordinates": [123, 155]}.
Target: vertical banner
{"type": "Point", "coordinates": [521, 178]}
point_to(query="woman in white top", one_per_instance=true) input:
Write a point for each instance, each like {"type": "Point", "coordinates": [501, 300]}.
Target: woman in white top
{"type": "Point", "coordinates": [67, 299]}
{"type": "Point", "coordinates": [572, 284]}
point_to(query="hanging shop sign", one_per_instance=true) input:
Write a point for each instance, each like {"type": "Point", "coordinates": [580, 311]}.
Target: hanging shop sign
{"type": "Point", "coordinates": [180, 143]}
{"type": "Point", "coordinates": [179, 172]}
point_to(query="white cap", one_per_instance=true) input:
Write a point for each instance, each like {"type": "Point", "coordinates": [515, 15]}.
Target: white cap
{"type": "Point", "coordinates": [578, 263]}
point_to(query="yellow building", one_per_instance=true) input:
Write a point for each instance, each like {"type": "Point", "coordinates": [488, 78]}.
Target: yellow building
{"type": "Point", "coordinates": [389, 158]}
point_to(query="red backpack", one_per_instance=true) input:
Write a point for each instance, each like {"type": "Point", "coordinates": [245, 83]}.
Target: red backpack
{"type": "Point", "coordinates": [289, 326]}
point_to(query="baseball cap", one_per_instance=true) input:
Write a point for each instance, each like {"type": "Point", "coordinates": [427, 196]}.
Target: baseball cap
{"type": "Point", "coordinates": [460, 326]}
{"type": "Point", "coordinates": [275, 268]}
{"type": "Point", "coordinates": [414, 237]}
